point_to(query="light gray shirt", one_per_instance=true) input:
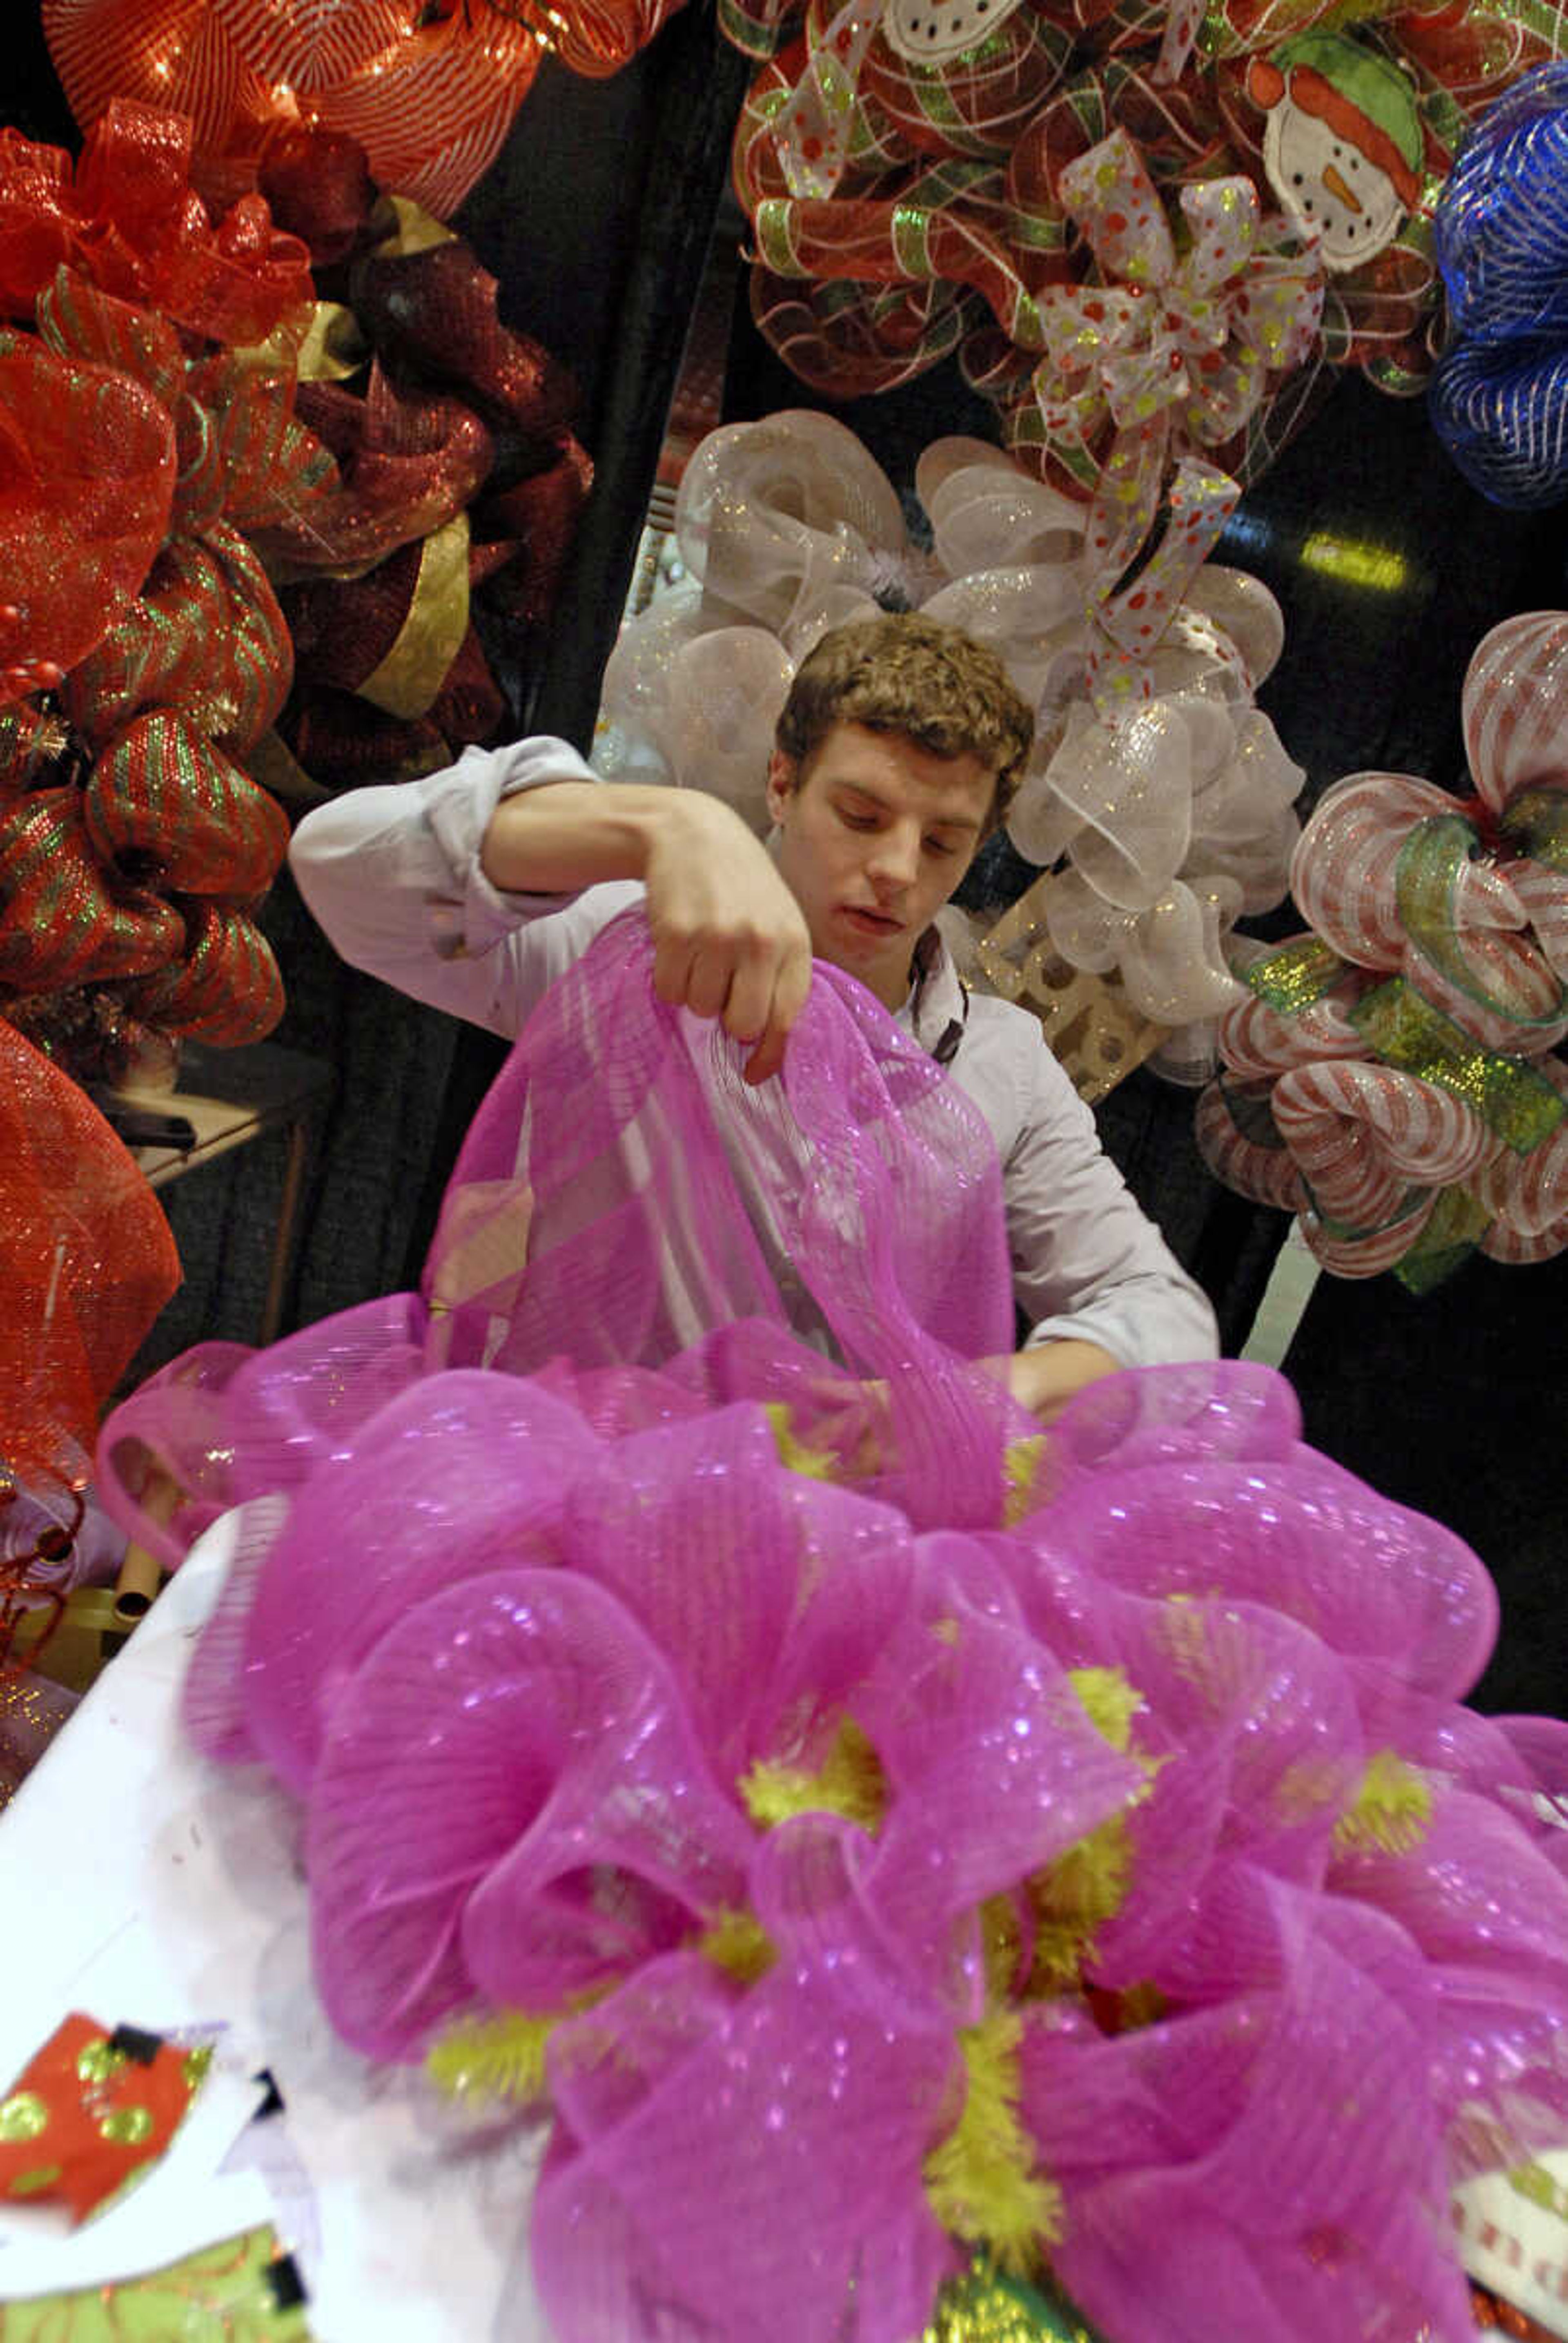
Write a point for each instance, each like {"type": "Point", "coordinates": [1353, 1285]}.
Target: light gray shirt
{"type": "Point", "coordinates": [393, 875]}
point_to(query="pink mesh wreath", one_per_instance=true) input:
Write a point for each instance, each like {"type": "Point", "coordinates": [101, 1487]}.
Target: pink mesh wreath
{"type": "Point", "coordinates": [873, 1845]}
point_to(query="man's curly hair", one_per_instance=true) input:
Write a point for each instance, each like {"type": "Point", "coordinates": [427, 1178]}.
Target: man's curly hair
{"type": "Point", "coordinates": [903, 673]}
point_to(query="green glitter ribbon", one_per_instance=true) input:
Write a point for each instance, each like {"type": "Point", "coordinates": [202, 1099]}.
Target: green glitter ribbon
{"type": "Point", "coordinates": [1511, 1097]}
{"type": "Point", "coordinates": [1426, 876]}
{"type": "Point", "coordinates": [985, 2306]}
{"type": "Point", "coordinates": [1536, 824]}
{"type": "Point", "coordinates": [911, 240]}
{"type": "Point", "coordinates": [1294, 977]}
{"type": "Point", "coordinates": [775, 217]}
{"type": "Point", "coordinates": [1459, 1222]}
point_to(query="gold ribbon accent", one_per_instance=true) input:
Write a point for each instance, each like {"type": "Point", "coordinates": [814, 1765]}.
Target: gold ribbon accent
{"type": "Point", "coordinates": [405, 227]}
{"type": "Point", "coordinates": [1091, 1029]}
{"type": "Point", "coordinates": [984, 2306]}
{"type": "Point", "coordinates": [413, 671]}
{"type": "Point", "coordinates": [334, 347]}
{"type": "Point", "coordinates": [273, 763]}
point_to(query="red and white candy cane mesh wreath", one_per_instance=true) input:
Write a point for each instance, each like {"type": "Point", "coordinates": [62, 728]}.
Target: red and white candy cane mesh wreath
{"type": "Point", "coordinates": [1397, 1076]}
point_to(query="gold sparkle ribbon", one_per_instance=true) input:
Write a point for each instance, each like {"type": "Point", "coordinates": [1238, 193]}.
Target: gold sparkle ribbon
{"type": "Point", "coordinates": [1294, 977]}
{"type": "Point", "coordinates": [413, 671]}
{"type": "Point", "coordinates": [334, 348]}
{"type": "Point", "coordinates": [984, 2306]}
{"type": "Point", "coordinates": [407, 227]}
{"type": "Point", "coordinates": [1511, 1097]}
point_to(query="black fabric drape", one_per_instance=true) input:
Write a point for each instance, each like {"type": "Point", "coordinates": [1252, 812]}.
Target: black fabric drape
{"type": "Point", "coordinates": [596, 219]}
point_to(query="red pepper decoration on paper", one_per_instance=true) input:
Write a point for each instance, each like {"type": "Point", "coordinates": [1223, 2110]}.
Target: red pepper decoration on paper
{"type": "Point", "coordinates": [91, 2111]}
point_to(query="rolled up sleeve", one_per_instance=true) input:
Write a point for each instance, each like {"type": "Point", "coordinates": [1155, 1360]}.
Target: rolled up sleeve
{"type": "Point", "coordinates": [393, 876]}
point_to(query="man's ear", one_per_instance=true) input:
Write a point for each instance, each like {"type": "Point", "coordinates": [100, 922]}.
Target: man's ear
{"type": "Point", "coordinates": [783, 778]}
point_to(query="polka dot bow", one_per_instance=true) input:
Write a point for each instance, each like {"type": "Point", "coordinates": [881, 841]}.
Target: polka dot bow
{"type": "Point", "coordinates": [1172, 351]}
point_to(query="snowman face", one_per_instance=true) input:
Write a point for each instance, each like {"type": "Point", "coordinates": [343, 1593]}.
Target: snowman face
{"type": "Point", "coordinates": [930, 32]}
{"type": "Point", "coordinates": [1329, 185]}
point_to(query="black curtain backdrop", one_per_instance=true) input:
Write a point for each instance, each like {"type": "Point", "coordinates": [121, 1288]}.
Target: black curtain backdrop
{"type": "Point", "coordinates": [596, 220]}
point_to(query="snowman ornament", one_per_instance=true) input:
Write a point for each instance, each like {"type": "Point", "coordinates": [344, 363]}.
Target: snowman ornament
{"type": "Point", "coordinates": [935, 32]}
{"type": "Point", "coordinates": [1342, 144]}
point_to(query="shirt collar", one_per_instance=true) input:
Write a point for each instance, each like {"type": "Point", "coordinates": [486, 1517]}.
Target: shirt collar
{"type": "Point", "coordinates": [936, 998]}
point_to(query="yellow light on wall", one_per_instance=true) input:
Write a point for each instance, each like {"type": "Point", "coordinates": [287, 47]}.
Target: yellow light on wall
{"type": "Point", "coordinates": [1357, 561]}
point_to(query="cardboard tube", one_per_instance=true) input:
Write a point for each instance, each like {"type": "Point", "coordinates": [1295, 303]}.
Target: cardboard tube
{"type": "Point", "coordinates": [139, 1580]}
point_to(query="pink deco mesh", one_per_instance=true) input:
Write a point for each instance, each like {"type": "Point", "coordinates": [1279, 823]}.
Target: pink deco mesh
{"type": "Point", "coordinates": [528, 1604]}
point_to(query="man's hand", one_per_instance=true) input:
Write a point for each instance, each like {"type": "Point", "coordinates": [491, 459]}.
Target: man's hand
{"type": "Point", "coordinates": [1043, 1380]}
{"type": "Point", "coordinates": [729, 940]}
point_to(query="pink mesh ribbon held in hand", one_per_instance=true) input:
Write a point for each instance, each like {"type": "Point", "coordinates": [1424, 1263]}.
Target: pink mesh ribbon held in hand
{"type": "Point", "coordinates": [1398, 1077]}
{"type": "Point", "coordinates": [834, 1252]}
{"type": "Point", "coordinates": [879, 1831]}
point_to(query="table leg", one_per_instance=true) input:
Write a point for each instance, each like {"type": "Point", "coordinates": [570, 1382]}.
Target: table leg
{"type": "Point", "coordinates": [283, 1242]}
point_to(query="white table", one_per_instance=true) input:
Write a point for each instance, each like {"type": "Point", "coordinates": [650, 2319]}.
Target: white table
{"type": "Point", "coordinates": [229, 1098]}
{"type": "Point", "coordinates": [147, 1887]}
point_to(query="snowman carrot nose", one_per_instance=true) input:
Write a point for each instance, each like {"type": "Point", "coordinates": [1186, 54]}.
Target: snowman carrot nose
{"type": "Point", "coordinates": [1338, 186]}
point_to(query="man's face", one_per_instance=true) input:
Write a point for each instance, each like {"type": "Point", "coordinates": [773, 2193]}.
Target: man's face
{"type": "Point", "coordinates": [875, 832]}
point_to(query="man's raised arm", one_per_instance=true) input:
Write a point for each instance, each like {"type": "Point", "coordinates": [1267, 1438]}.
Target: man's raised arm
{"type": "Point", "coordinates": [476, 887]}
{"type": "Point", "coordinates": [729, 938]}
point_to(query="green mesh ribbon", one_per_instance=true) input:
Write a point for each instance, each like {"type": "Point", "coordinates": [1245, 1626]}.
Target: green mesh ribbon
{"type": "Point", "coordinates": [1511, 1097]}
{"type": "Point", "coordinates": [1536, 824]}
{"type": "Point", "coordinates": [1431, 863]}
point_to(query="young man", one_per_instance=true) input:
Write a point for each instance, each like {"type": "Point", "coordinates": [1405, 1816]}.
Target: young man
{"type": "Point", "coordinates": [898, 751]}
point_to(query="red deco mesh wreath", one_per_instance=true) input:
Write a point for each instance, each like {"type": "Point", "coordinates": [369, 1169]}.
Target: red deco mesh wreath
{"type": "Point", "coordinates": [134, 846]}
{"type": "Point", "coordinates": [457, 490]}
{"type": "Point", "coordinates": [187, 429]}
{"type": "Point", "coordinates": [428, 92]}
